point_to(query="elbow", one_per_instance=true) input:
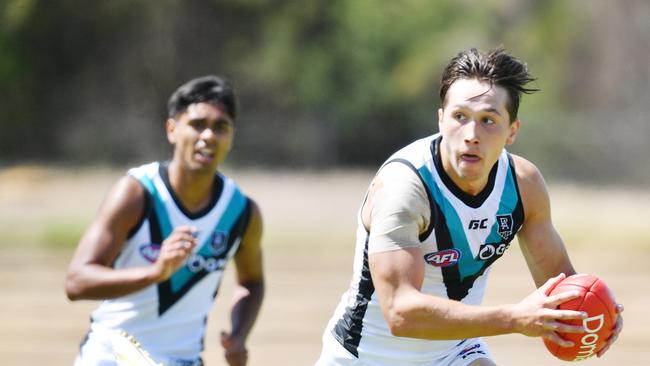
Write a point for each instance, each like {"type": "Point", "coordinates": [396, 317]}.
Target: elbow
{"type": "Point", "coordinates": [72, 286]}
{"type": "Point", "coordinates": [399, 322]}
{"type": "Point", "coordinates": [257, 289]}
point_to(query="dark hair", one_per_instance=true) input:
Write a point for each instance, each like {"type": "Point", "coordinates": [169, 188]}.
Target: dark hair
{"type": "Point", "coordinates": [203, 89]}
{"type": "Point", "coordinates": [496, 67]}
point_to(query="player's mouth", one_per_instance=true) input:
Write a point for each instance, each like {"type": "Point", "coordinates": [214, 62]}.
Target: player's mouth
{"type": "Point", "coordinates": [204, 155]}
{"type": "Point", "coordinates": [470, 158]}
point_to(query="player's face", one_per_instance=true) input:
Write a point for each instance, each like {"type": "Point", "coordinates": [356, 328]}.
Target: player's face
{"type": "Point", "coordinates": [202, 136]}
{"type": "Point", "coordinates": [475, 127]}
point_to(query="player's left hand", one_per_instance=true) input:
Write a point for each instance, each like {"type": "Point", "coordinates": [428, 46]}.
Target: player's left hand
{"type": "Point", "coordinates": [617, 330]}
{"type": "Point", "coordinates": [234, 349]}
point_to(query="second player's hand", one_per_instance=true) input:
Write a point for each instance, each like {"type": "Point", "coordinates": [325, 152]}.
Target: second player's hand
{"type": "Point", "coordinates": [173, 252]}
{"type": "Point", "coordinates": [537, 315]}
{"type": "Point", "coordinates": [234, 349]}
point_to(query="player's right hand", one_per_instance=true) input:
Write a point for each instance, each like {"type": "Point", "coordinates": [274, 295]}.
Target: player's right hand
{"type": "Point", "coordinates": [537, 315]}
{"type": "Point", "coordinates": [173, 252]}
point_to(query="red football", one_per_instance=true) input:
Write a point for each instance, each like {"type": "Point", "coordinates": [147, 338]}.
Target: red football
{"type": "Point", "coordinates": [597, 300]}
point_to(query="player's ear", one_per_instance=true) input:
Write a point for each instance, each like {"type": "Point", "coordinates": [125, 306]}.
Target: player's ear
{"type": "Point", "coordinates": [170, 127]}
{"type": "Point", "coordinates": [440, 112]}
{"type": "Point", "coordinates": [514, 129]}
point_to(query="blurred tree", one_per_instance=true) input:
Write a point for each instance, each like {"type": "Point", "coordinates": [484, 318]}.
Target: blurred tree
{"type": "Point", "coordinates": [321, 82]}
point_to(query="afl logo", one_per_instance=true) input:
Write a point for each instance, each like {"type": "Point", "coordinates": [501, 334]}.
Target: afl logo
{"type": "Point", "coordinates": [150, 251]}
{"type": "Point", "coordinates": [443, 258]}
{"type": "Point", "coordinates": [219, 242]}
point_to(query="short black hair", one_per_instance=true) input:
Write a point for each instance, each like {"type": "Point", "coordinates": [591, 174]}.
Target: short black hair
{"type": "Point", "coordinates": [496, 67]}
{"type": "Point", "coordinates": [203, 89]}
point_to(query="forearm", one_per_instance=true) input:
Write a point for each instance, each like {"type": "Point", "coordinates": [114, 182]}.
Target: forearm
{"type": "Point", "coordinates": [245, 309]}
{"type": "Point", "coordinates": [97, 282]}
{"type": "Point", "coordinates": [429, 317]}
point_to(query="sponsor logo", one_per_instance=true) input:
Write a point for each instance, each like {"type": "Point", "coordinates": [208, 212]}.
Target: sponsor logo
{"type": "Point", "coordinates": [588, 341]}
{"type": "Point", "coordinates": [477, 224]}
{"type": "Point", "coordinates": [471, 350]}
{"type": "Point", "coordinates": [488, 251]}
{"type": "Point", "coordinates": [504, 225]}
{"type": "Point", "coordinates": [219, 242]}
{"type": "Point", "coordinates": [197, 263]}
{"type": "Point", "coordinates": [443, 258]}
{"type": "Point", "coordinates": [150, 251]}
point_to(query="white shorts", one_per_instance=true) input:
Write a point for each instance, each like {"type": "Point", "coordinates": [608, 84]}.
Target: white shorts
{"type": "Point", "coordinates": [97, 350]}
{"type": "Point", "coordinates": [333, 354]}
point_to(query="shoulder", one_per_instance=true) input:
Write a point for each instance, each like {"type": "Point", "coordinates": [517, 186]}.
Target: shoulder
{"type": "Point", "coordinates": [255, 211]}
{"type": "Point", "coordinates": [125, 201]}
{"type": "Point", "coordinates": [532, 186]}
{"type": "Point", "coordinates": [255, 223]}
{"type": "Point", "coordinates": [397, 182]}
{"type": "Point", "coordinates": [128, 191]}
{"type": "Point", "coordinates": [395, 196]}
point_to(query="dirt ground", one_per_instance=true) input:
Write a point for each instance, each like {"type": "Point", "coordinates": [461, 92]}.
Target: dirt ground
{"type": "Point", "coordinates": [309, 224]}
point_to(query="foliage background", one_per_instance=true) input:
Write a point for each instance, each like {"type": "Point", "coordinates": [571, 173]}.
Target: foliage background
{"type": "Point", "coordinates": [322, 83]}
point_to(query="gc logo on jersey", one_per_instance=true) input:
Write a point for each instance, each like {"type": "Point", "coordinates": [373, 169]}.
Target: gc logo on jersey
{"type": "Point", "coordinates": [218, 242]}
{"type": "Point", "coordinates": [504, 225]}
{"type": "Point", "coordinates": [443, 258]}
{"type": "Point", "coordinates": [488, 251]}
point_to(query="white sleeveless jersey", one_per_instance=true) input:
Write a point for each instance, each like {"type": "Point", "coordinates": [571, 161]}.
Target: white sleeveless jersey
{"type": "Point", "coordinates": [169, 318]}
{"type": "Point", "coordinates": [466, 234]}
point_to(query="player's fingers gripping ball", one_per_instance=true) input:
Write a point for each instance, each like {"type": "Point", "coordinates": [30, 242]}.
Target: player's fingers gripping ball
{"type": "Point", "coordinates": [598, 302]}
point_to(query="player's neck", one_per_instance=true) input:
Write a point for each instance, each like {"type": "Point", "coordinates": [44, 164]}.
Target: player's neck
{"type": "Point", "coordinates": [193, 188]}
{"type": "Point", "coordinates": [470, 185]}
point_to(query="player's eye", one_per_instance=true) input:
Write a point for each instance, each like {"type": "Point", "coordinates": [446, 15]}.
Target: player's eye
{"type": "Point", "coordinates": [488, 121]}
{"type": "Point", "coordinates": [459, 116]}
{"type": "Point", "coordinates": [199, 124]}
{"type": "Point", "coordinates": [222, 126]}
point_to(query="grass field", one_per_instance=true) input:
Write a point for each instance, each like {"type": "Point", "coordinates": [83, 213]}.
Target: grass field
{"type": "Point", "coordinates": [309, 227]}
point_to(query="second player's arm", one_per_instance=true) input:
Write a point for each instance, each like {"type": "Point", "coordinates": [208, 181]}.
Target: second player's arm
{"type": "Point", "coordinates": [249, 292]}
{"type": "Point", "coordinates": [91, 275]}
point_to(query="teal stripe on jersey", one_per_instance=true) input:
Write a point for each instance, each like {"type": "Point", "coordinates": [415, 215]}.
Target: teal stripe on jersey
{"type": "Point", "coordinates": [236, 206]}
{"type": "Point", "coordinates": [467, 265]}
{"type": "Point", "coordinates": [509, 199]}
{"type": "Point", "coordinates": [159, 206]}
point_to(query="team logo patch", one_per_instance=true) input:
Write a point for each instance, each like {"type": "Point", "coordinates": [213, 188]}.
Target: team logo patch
{"type": "Point", "coordinates": [219, 242]}
{"type": "Point", "coordinates": [504, 225]}
{"type": "Point", "coordinates": [150, 251]}
{"type": "Point", "coordinates": [443, 258]}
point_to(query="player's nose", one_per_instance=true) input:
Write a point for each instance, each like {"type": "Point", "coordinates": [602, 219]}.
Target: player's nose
{"type": "Point", "coordinates": [470, 132]}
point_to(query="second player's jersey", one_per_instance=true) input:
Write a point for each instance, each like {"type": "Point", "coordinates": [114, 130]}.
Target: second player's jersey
{"type": "Point", "coordinates": [465, 235]}
{"type": "Point", "coordinates": [169, 318]}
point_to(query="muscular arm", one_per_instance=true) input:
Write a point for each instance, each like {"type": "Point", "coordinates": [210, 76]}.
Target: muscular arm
{"type": "Point", "coordinates": [249, 293]}
{"type": "Point", "coordinates": [90, 274]}
{"type": "Point", "coordinates": [398, 276]}
{"type": "Point", "coordinates": [540, 243]}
